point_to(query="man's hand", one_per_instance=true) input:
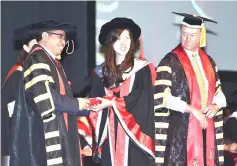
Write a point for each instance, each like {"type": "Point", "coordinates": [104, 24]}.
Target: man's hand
{"type": "Point", "coordinates": [201, 118]}
{"type": "Point", "coordinates": [104, 104]}
{"type": "Point", "coordinates": [199, 115]}
{"type": "Point", "coordinates": [230, 147]}
{"type": "Point", "coordinates": [211, 110]}
{"type": "Point", "coordinates": [84, 104]}
{"type": "Point", "coordinates": [233, 147]}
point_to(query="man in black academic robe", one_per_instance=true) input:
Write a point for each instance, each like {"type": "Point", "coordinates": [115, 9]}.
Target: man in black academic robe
{"type": "Point", "coordinates": [41, 133]}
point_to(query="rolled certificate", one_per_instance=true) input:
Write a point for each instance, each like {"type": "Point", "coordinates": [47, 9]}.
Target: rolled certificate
{"type": "Point", "coordinates": [94, 101]}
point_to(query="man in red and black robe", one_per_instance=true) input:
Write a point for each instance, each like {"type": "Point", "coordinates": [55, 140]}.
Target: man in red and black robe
{"type": "Point", "coordinates": [188, 102]}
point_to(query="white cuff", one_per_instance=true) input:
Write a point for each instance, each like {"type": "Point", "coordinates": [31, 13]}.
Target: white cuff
{"type": "Point", "coordinates": [175, 103]}
{"type": "Point", "coordinates": [219, 99]}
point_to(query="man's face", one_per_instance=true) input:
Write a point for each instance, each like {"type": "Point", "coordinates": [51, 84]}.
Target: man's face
{"type": "Point", "coordinates": [190, 38]}
{"type": "Point", "coordinates": [56, 41]}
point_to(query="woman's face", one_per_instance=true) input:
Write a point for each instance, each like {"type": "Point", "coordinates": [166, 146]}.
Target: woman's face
{"type": "Point", "coordinates": [123, 43]}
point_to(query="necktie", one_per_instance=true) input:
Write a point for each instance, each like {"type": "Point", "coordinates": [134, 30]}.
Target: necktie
{"type": "Point", "coordinates": [58, 63]}
{"type": "Point", "coordinates": [200, 80]}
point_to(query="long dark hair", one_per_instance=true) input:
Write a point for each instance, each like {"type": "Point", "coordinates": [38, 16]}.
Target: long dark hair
{"type": "Point", "coordinates": [21, 57]}
{"type": "Point", "coordinates": [23, 54]}
{"type": "Point", "coordinates": [112, 72]}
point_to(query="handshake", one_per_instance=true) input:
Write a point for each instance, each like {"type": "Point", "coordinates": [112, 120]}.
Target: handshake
{"type": "Point", "coordinates": [95, 104]}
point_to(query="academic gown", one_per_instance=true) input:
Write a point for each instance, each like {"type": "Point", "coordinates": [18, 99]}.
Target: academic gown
{"type": "Point", "coordinates": [41, 133]}
{"type": "Point", "coordinates": [230, 135]}
{"type": "Point", "coordinates": [175, 74]}
{"type": "Point", "coordinates": [9, 92]}
{"type": "Point", "coordinates": [124, 134]}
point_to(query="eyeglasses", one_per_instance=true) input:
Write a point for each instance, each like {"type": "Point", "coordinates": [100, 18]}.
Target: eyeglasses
{"type": "Point", "coordinates": [61, 36]}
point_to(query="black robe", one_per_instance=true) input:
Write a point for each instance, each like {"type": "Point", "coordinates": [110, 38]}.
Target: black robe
{"type": "Point", "coordinates": [230, 135]}
{"type": "Point", "coordinates": [139, 103]}
{"type": "Point", "coordinates": [230, 132]}
{"type": "Point", "coordinates": [172, 139]}
{"type": "Point", "coordinates": [9, 95]}
{"type": "Point", "coordinates": [40, 138]}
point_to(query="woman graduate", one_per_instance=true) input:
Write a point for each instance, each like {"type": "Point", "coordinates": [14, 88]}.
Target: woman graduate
{"type": "Point", "coordinates": [124, 130]}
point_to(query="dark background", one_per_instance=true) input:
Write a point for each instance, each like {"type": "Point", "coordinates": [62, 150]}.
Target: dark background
{"type": "Point", "coordinates": [78, 65]}
{"type": "Point", "coordinates": [80, 13]}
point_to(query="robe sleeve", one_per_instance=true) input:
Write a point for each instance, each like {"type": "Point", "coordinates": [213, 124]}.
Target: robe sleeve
{"type": "Point", "coordinates": [38, 80]}
{"type": "Point", "coordinates": [97, 119]}
{"type": "Point", "coordinates": [163, 86]}
{"type": "Point", "coordinates": [67, 104]}
{"type": "Point", "coordinates": [220, 100]}
{"type": "Point", "coordinates": [135, 112]}
{"type": "Point", "coordinates": [219, 97]}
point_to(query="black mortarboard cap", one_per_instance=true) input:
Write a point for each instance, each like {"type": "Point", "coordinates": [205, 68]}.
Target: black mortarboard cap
{"type": "Point", "coordinates": [119, 22]}
{"type": "Point", "coordinates": [30, 31]}
{"type": "Point", "coordinates": [193, 21]}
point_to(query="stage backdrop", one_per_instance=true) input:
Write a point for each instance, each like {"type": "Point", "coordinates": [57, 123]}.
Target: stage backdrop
{"type": "Point", "coordinates": [160, 29]}
{"type": "Point", "coordinates": [80, 13]}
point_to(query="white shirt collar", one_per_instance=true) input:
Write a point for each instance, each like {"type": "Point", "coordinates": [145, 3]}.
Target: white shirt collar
{"type": "Point", "coordinates": [190, 53]}
{"type": "Point", "coordinates": [49, 52]}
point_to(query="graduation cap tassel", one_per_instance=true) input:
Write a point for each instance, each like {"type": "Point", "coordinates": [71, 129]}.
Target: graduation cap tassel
{"type": "Point", "coordinates": [68, 47]}
{"type": "Point", "coordinates": [203, 36]}
{"type": "Point", "coordinates": [194, 21]}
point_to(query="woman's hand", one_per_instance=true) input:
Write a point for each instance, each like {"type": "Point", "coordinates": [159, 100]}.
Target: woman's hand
{"type": "Point", "coordinates": [104, 104]}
